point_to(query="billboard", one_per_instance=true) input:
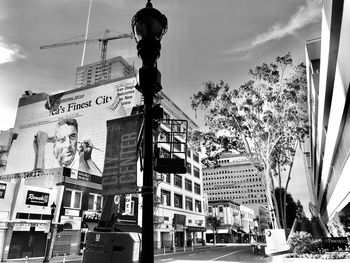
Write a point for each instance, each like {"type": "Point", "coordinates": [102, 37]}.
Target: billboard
{"type": "Point", "coordinates": [69, 129]}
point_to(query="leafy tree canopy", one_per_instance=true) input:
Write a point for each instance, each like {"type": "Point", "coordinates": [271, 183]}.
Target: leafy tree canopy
{"type": "Point", "coordinates": [264, 118]}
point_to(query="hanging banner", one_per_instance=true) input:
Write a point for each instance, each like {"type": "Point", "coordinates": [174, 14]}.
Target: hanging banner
{"type": "Point", "coordinates": [120, 166]}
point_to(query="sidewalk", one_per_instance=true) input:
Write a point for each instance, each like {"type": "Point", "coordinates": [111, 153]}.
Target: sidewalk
{"type": "Point", "coordinates": [75, 258]}
{"type": "Point", "coordinates": [68, 258]}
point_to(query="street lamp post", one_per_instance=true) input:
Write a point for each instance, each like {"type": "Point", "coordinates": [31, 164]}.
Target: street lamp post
{"type": "Point", "coordinates": [49, 238]}
{"type": "Point", "coordinates": [148, 26]}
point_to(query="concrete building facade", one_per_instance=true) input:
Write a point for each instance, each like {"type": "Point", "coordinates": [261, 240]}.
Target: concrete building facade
{"type": "Point", "coordinates": [327, 61]}
{"type": "Point", "coordinates": [93, 73]}
{"type": "Point", "coordinates": [180, 196]}
{"type": "Point", "coordinates": [237, 221]}
{"type": "Point", "coordinates": [234, 178]}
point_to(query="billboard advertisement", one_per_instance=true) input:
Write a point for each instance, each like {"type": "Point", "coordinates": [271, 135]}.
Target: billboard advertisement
{"type": "Point", "coordinates": [69, 129]}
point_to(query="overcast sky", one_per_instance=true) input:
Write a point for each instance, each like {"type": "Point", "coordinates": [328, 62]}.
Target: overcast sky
{"type": "Point", "coordinates": [206, 40]}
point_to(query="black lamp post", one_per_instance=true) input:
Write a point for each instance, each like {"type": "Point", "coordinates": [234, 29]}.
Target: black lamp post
{"type": "Point", "coordinates": [49, 238]}
{"type": "Point", "coordinates": [148, 26]}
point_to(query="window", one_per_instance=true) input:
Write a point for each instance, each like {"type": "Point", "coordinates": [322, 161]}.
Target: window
{"type": "Point", "coordinates": [178, 180]}
{"type": "Point", "coordinates": [221, 209]}
{"type": "Point", "coordinates": [189, 203]}
{"type": "Point", "coordinates": [72, 199]}
{"type": "Point", "coordinates": [196, 157]}
{"type": "Point", "coordinates": [197, 188]}
{"type": "Point", "coordinates": [165, 195]}
{"type": "Point", "coordinates": [188, 185]}
{"type": "Point", "coordinates": [177, 145]}
{"type": "Point", "coordinates": [198, 206]}
{"type": "Point", "coordinates": [188, 168]}
{"type": "Point", "coordinates": [188, 153]}
{"type": "Point", "coordinates": [95, 202]}
{"type": "Point", "coordinates": [196, 171]}
{"type": "Point", "coordinates": [178, 200]}
{"type": "Point", "coordinates": [167, 178]}
{"type": "Point", "coordinates": [210, 209]}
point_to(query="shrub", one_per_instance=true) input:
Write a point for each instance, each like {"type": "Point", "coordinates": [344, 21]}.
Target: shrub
{"type": "Point", "coordinates": [303, 242]}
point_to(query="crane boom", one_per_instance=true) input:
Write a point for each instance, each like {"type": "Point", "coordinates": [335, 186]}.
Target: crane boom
{"type": "Point", "coordinates": [87, 41]}
{"type": "Point", "coordinates": [73, 43]}
{"type": "Point", "coordinates": [104, 40]}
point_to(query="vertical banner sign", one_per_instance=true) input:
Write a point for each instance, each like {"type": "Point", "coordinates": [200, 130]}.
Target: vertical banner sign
{"type": "Point", "coordinates": [120, 166]}
{"type": "Point", "coordinates": [128, 205]}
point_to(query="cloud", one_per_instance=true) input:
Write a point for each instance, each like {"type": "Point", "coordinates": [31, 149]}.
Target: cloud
{"type": "Point", "coordinates": [9, 53]}
{"type": "Point", "coordinates": [306, 14]}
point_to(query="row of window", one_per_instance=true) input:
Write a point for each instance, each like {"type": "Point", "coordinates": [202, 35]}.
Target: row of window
{"type": "Point", "coordinates": [246, 201]}
{"type": "Point", "coordinates": [179, 183]}
{"type": "Point", "coordinates": [178, 201]}
{"type": "Point", "coordinates": [72, 199]}
{"type": "Point", "coordinates": [255, 178]}
{"type": "Point", "coordinates": [229, 171]}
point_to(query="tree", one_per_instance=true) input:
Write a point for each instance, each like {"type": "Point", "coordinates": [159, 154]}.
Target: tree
{"type": "Point", "coordinates": [265, 118]}
{"type": "Point", "coordinates": [300, 213]}
{"type": "Point", "coordinates": [213, 223]}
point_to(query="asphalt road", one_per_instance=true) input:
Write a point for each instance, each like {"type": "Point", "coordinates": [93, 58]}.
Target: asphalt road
{"type": "Point", "coordinates": [232, 254]}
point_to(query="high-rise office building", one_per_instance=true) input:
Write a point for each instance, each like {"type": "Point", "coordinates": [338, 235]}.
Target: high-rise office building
{"type": "Point", "coordinates": [234, 178]}
{"type": "Point", "coordinates": [113, 68]}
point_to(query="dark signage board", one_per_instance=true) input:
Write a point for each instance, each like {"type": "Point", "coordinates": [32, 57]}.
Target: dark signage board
{"type": "Point", "coordinates": [2, 190]}
{"type": "Point", "coordinates": [179, 219]}
{"type": "Point", "coordinates": [120, 167]}
{"type": "Point", "coordinates": [37, 198]}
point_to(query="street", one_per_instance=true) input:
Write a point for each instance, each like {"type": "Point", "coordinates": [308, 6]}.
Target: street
{"type": "Point", "coordinates": [237, 253]}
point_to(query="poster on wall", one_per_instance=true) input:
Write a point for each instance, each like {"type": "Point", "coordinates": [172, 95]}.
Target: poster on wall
{"type": "Point", "coordinates": [69, 129]}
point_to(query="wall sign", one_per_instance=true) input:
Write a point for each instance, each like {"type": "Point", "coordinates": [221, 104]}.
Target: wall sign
{"type": "Point", "coordinates": [37, 198]}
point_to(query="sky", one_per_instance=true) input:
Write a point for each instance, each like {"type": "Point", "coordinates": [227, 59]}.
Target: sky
{"type": "Point", "coordinates": [206, 40]}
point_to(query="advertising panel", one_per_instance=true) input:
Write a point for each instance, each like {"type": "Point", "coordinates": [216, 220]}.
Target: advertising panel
{"type": "Point", "coordinates": [37, 198]}
{"type": "Point", "coordinates": [120, 169]}
{"type": "Point", "coordinates": [69, 129]}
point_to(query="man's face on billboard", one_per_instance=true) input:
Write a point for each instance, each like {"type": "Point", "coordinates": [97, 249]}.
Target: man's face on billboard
{"type": "Point", "coordinates": [66, 143]}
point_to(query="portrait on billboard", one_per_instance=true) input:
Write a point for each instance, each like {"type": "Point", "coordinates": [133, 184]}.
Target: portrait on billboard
{"type": "Point", "coordinates": [67, 150]}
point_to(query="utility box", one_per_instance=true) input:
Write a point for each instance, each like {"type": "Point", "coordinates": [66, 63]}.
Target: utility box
{"type": "Point", "coordinates": [108, 247]}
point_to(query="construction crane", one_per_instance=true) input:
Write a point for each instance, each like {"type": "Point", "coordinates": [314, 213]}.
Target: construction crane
{"type": "Point", "coordinates": [104, 40]}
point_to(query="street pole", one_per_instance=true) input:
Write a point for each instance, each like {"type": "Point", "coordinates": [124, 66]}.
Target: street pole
{"type": "Point", "coordinates": [147, 190]}
{"type": "Point", "coordinates": [48, 240]}
{"type": "Point", "coordinates": [148, 26]}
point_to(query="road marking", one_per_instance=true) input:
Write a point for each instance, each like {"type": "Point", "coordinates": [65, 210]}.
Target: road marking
{"type": "Point", "coordinates": [227, 254]}
{"type": "Point", "coordinates": [192, 254]}
{"type": "Point", "coordinates": [166, 259]}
